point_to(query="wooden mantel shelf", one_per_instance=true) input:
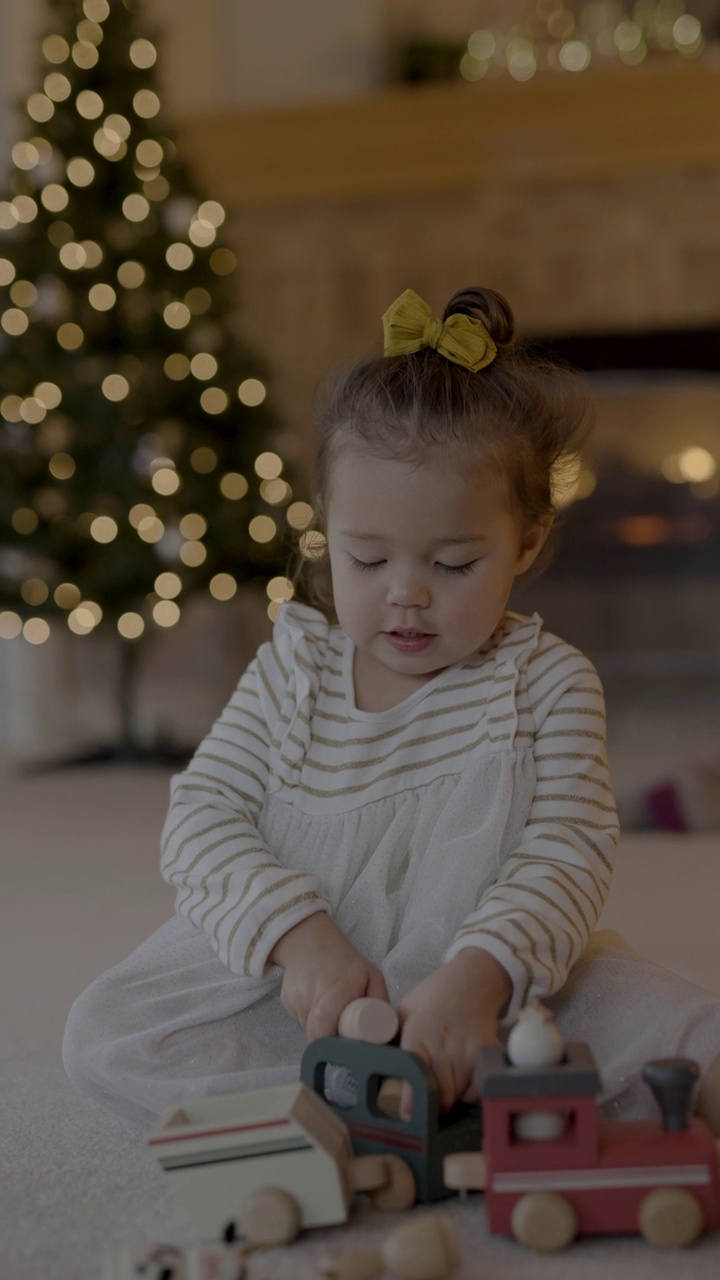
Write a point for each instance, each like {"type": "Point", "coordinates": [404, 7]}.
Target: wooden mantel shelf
{"type": "Point", "coordinates": [661, 117]}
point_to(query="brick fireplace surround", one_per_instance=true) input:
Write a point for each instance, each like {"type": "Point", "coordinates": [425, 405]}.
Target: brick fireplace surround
{"type": "Point", "coordinates": [592, 200]}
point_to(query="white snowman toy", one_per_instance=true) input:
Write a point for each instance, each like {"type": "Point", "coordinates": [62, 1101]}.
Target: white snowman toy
{"type": "Point", "coordinates": [535, 1041]}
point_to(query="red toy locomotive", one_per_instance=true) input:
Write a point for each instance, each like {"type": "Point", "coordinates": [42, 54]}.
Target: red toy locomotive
{"type": "Point", "coordinates": [592, 1176]}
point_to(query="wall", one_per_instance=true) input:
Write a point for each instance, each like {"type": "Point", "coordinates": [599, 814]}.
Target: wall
{"type": "Point", "coordinates": [235, 52]}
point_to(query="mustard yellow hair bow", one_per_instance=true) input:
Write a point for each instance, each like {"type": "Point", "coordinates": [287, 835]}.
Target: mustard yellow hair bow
{"type": "Point", "coordinates": [409, 325]}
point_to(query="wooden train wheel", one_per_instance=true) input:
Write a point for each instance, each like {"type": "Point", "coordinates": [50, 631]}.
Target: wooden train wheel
{"type": "Point", "coordinates": [670, 1217]}
{"type": "Point", "coordinates": [270, 1216]}
{"type": "Point", "coordinates": [399, 1190]}
{"type": "Point", "coordinates": [544, 1221]}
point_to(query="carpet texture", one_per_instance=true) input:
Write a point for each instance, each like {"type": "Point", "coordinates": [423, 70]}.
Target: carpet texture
{"type": "Point", "coordinates": [80, 890]}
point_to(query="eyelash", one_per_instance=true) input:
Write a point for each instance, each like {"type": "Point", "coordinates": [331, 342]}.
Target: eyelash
{"type": "Point", "coordinates": [444, 568]}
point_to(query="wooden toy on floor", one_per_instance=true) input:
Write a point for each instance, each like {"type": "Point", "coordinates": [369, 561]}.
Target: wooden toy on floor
{"type": "Point", "coordinates": [421, 1250]}
{"type": "Point", "coordinates": [369, 1019]}
{"type": "Point", "coordinates": [154, 1260]}
{"type": "Point", "coordinates": [535, 1041]}
{"type": "Point", "coordinates": [264, 1164]}
{"type": "Point", "coordinates": [658, 1178]}
{"type": "Point", "coordinates": [418, 1143]}
{"type": "Point", "coordinates": [375, 1022]}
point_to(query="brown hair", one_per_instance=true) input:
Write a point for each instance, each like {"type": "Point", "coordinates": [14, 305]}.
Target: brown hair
{"type": "Point", "coordinates": [524, 416]}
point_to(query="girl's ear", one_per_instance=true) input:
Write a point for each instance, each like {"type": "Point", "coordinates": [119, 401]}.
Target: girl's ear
{"type": "Point", "coordinates": [532, 543]}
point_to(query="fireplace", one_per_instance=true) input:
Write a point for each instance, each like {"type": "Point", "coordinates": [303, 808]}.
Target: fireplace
{"type": "Point", "coordinates": [636, 583]}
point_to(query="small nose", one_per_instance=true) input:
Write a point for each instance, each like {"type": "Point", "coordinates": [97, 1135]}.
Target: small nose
{"type": "Point", "coordinates": [408, 594]}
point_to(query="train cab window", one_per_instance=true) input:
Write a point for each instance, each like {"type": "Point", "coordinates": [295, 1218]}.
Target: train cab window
{"type": "Point", "coordinates": [340, 1086]}
{"type": "Point", "coordinates": [546, 1125]}
{"type": "Point", "coordinates": [383, 1097]}
{"type": "Point", "coordinates": [345, 1089]}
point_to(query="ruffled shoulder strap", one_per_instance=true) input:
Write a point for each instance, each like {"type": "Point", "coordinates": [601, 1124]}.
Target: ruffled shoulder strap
{"type": "Point", "coordinates": [300, 642]}
{"type": "Point", "coordinates": [518, 642]}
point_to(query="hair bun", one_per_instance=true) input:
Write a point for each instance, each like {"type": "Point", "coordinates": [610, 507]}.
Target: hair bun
{"type": "Point", "coordinates": [488, 306]}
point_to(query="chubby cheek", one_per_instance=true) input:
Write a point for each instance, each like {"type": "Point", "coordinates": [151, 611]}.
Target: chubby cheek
{"type": "Point", "coordinates": [351, 604]}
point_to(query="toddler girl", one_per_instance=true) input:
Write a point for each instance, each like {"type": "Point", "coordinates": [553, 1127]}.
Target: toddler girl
{"type": "Point", "coordinates": [407, 796]}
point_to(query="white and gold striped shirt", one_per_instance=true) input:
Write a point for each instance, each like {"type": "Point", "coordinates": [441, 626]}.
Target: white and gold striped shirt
{"type": "Point", "coordinates": [477, 812]}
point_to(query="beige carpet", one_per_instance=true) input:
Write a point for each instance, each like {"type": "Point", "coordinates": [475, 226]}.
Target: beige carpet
{"type": "Point", "coordinates": [79, 889]}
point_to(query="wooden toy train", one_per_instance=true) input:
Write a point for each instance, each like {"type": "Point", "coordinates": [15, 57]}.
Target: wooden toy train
{"type": "Point", "coordinates": [551, 1169]}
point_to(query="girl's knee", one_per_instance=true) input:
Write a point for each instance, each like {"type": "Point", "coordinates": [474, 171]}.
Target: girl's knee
{"type": "Point", "coordinates": [88, 1033]}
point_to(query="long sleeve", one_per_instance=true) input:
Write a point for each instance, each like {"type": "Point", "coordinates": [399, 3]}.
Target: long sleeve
{"type": "Point", "coordinates": [536, 919]}
{"type": "Point", "coordinates": [229, 883]}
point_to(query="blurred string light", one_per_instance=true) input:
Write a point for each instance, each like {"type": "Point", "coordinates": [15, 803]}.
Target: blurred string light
{"type": "Point", "coordinates": [571, 35]}
{"type": "Point", "coordinates": [50, 182]}
{"type": "Point", "coordinates": [693, 464]}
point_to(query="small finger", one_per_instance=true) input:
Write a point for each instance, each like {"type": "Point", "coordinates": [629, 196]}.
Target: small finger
{"type": "Point", "coordinates": [406, 1101]}
{"type": "Point", "coordinates": [441, 1069]}
{"type": "Point", "coordinates": [376, 986]}
{"type": "Point", "coordinates": [324, 1016]}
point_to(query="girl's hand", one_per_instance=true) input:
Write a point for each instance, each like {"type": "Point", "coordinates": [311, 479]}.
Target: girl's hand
{"type": "Point", "coordinates": [448, 1017]}
{"type": "Point", "coordinates": [323, 973]}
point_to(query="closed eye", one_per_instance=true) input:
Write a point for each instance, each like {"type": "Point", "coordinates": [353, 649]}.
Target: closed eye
{"type": "Point", "coordinates": [457, 568]}
{"type": "Point", "coordinates": [365, 564]}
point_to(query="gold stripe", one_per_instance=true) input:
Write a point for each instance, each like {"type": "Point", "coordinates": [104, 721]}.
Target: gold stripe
{"type": "Point", "coordinates": [244, 729]}
{"type": "Point", "coordinates": [274, 649]}
{"type": "Point", "coordinates": [582, 834]}
{"type": "Point", "coordinates": [248, 714]}
{"type": "Point", "coordinates": [268, 687]}
{"type": "Point", "coordinates": [547, 693]}
{"type": "Point", "coordinates": [204, 790]}
{"type": "Point", "coordinates": [534, 892]}
{"type": "Point", "coordinates": [510, 913]}
{"type": "Point", "coordinates": [560, 710]}
{"type": "Point", "coordinates": [350, 789]}
{"type": "Point", "coordinates": [237, 768]}
{"type": "Point", "coordinates": [558, 839]}
{"type": "Point", "coordinates": [573, 755]}
{"type": "Point", "coordinates": [498, 937]}
{"type": "Point", "coordinates": [561, 868]}
{"type": "Point", "coordinates": [249, 880]}
{"type": "Point", "coordinates": [564, 888]}
{"type": "Point", "coordinates": [235, 745]}
{"type": "Point", "coordinates": [250, 834]}
{"type": "Point", "coordinates": [199, 835]}
{"type": "Point", "coordinates": [185, 818]}
{"type": "Point", "coordinates": [570, 733]}
{"type": "Point", "coordinates": [234, 856]}
{"type": "Point", "coordinates": [306, 666]}
{"type": "Point", "coordinates": [394, 730]}
{"type": "Point", "coordinates": [566, 798]}
{"type": "Point", "coordinates": [352, 765]}
{"type": "Point", "coordinates": [269, 889]}
{"type": "Point", "coordinates": [308, 896]}
{"type": "Point", "coordinates": [575, 777]}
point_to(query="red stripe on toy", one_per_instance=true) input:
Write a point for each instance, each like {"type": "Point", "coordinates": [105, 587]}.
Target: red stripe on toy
{"type": "Point", "coordinates": [216, 1133]}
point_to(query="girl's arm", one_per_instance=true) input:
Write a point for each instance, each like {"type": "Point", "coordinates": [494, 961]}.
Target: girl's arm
{"type": "Point", "coordinates": [229, 883]}
{"type": "Point", "coordinates": [538, 916]}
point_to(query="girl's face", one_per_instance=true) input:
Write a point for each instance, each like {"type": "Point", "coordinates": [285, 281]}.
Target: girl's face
{"type": "Point", "coordinates": [423, 559]}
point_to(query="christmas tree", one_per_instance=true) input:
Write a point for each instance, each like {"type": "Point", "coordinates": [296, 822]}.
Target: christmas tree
{"type": "Point", "coordinates": [137, 452]}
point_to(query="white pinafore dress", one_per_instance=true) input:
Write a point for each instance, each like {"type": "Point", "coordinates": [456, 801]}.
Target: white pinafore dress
{"type": "Point", "coordinates": [172, 1022]}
